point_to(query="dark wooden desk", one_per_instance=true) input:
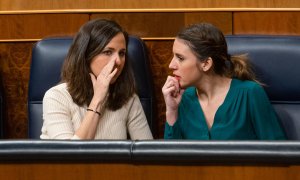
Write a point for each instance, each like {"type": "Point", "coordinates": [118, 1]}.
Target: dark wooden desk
{"type": "Point", "coordinates": [149, 160]}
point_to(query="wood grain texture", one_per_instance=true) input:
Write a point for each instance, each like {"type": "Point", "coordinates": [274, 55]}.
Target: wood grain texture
{"type": "Point", "coordinates": [45, 171]}
{"type": "Point", "coordinates": [12, 5]}
{"type": "Point", "coordinates": [15, 65]}
{"type": "Point", "coordinates": [166, 24]}
{"type": "Point", "coordinates": [40, 25]}
{"type": "Point", "coordinates": [269, 23]}
{"type": "Point", "coordinates": [160, 53]}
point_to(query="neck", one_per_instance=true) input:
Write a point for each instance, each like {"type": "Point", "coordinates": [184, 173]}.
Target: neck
{"type": "Point", "coordinates": [212, 86]}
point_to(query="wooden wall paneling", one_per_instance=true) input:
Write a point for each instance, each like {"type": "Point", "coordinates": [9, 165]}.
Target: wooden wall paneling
{"type": "Point", "coordinates": [37, 26]}
{"type": "Point", "coordinates": [269, 23]}
{"type": "Point", "coordinates": [222, 20]}
{"type": "Point", "coordinates": [8, 5]}
{"type": "Point", "coordinates": [147, 24]}
{"type": "Point", "coordinates": [14, 70]}
{"type": "Point", "coordinates": [160, 53]}
{"type": "Point", "coordinates": [166, 24]}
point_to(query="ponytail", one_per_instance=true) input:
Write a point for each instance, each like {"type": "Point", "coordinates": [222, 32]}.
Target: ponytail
{"type": "Point", "coordinates": [241, 68]}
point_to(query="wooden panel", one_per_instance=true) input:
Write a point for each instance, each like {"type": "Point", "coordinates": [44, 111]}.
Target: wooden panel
{"type": "Point", "coordinates": [166, 24]}
{"type": "Point", "coordinates": [147, 24]}
{"type": "Point", "coordinates": [40, 25]}
{"type": "Point", "coordinates": [222, 20]}
{"type": "Point", "coordinates": [45, 171]}
{"type": "Point", "coordinates": [294, 172]}
{"type": "Point", "coordinates": [116, 4]}
{"type": "Point", "coordinates": [282, 23]}
{"type": "Point", "coordinates": [160, 56]}
{"type": "Point", "coordinates": [15, 64]}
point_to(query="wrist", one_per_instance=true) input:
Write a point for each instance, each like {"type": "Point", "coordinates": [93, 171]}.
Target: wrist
{"type": "Point", "coordinates": [96, 104]}
{"type": "Point", "coordinates": [171, 117]}
{"type": "Point", "coordinates": [95, 111]}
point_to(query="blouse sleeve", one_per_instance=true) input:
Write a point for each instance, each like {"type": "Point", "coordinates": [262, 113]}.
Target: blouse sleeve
{"type": "Point", "coordinates": [172, 132]}
{"type": "Point", "coordinates": [137, 123]}
{"type": "Point", "coordinates": [264, 118]}
{"type": "Point", "coordinates": [57, 116]}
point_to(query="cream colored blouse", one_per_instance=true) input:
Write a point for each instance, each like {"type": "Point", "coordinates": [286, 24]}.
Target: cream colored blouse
{"type": "Point", "coordinates": [62, 117]}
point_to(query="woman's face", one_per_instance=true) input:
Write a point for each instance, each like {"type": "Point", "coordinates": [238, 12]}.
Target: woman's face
{"type": "Point", "coordinates": [114, 50]}
{"type": "Point", "coordinates": [185, 65]}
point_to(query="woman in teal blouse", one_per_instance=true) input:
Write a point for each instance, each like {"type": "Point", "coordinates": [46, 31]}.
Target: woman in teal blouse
{"type": "Point", "coordinates": [212, 95]}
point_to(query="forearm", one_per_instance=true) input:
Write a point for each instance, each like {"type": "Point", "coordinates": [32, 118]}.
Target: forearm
{"type": "Point", "coordinates": [171, 117]}
{"type": "Point", "coordinates": [88, 127]}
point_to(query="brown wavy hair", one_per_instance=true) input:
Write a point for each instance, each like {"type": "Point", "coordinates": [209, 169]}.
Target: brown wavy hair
{"type": "Point", "coordinates": [88, 43]}
{"type": "Point", "coordinates": [206, 41]}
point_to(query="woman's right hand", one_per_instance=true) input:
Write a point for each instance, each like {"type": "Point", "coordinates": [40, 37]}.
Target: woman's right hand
{"type": "Point", "coordinates": [172, 96]}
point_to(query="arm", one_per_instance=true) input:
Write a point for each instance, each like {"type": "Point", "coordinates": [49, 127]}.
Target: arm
{"type": "Point", "coordinates": [264, 118]}
{"type": "Point", "coordinates": [172, 132]}
{"type": "Point", "coordinates": [57, 115]}
{"type": "Point", "coordinates": [89, 124]}
{"type": "Point", "coordinates": [172, 96]}
{"type": "Point", "coordinates": [137, 124]}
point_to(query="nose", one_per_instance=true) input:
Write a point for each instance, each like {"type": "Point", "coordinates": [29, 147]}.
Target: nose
{"type": "Point", "coordinates": [173, 64]}
{"type": "Point", "coordinates": [118, 59]}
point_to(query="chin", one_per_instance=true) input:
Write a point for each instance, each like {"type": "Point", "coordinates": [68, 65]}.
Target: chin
{"type": "Point", "coordinates": [184, 86]}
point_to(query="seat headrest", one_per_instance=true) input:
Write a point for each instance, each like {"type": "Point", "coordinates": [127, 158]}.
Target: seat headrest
{"type": "Point", "coordinates": [275, 61]}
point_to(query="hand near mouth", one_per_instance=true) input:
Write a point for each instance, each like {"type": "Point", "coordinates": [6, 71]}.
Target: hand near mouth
{"type": "Point", "coordinates": [172, 96]}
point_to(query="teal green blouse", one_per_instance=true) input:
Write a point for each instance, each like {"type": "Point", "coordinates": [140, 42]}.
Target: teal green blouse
{"type": "Point", "coordinates": [246, 114]}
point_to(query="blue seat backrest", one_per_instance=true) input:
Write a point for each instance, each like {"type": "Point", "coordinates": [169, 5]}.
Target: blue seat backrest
{"type": "Point", "coordinates": [276, 62]}
{"type": "Point", "coordinates": [46, 63]}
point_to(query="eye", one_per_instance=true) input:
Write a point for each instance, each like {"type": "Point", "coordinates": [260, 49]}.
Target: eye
{"type": "Point", "coordinates": [179, 57]}
{"type": "Point", "coordinates": [107, 52]}
{"type": "Point", "coordinates": [122, 53]}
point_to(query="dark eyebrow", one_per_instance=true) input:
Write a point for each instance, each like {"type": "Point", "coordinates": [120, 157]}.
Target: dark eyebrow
{"type": "Point", "coordinates": [176, 54]}
{"type": "Point", "coordinates": [110, 48]}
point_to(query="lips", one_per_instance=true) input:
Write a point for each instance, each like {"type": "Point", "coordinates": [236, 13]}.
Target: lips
{"type": "Point", "coordinates": [178, 79]}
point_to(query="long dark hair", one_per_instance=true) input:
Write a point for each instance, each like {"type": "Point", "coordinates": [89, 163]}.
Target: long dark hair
{"type": "Point", "coordinates": [88, 43]}
{"type": "Point", "coordinates": [206, 41]}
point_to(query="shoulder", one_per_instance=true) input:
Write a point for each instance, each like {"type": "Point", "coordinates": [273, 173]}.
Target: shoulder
{"type": "Point", "coordinates": [250, 86]}
{"type": "Point", "coordinates": [58, 91]}
{"type": "Point", "coordinates": [250, 89]}
{"type": "Point", "coordinates": [188, 97]}
{"type": "Point", "coordinates": [134, 100]}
